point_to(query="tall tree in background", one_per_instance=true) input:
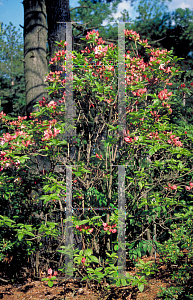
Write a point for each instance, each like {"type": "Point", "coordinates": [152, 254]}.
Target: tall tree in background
{"type": "Point", "coordinates": [151, 22]}
{"type": "Point", "coordinates": [35, 38]}
{"type": "Point", "coordinates": [91, 17]}
{"type": "Point", "coordinates": [179, 33]}
{"type": "Point", "coordinates": [12, 86]}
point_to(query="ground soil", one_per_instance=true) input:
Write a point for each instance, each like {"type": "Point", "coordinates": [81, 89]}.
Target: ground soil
{"type": "Point", "coordinates": [73, 289]}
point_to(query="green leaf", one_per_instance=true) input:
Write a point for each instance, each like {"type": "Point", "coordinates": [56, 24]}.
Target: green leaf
{"type": "Point", "coordinates": [88, 252]}
{"type": "Point", "coordinates": [50, 283]}
{"type": "Point", "coordinates": [20, 236]}
{"type": "Point", "coordinates": [96, 217]}
{"type": "Point", "coordinates": [99, 274]}
{"type": "Point", "coordinates": [123, 281]}
{"type": "Point", "coordinates": [84, 278]}
{"type": "Point", "coordinates": [4, 145]}
{"type": "Point", "coordinates": [116, 247]}
{"type": "Point", "coordinates": [94, 258]}
{"type": "Point", "coordinates": [90, 270]}
{"type": "Point", "coordinates": [23, 158]}
{"type": "Point", "coordinates": [140, 286]}
{"type": "Point", "coordinates": [151, 151]}
{"type": "Point", "coordinates": [118, 283]}
{"type": "Point", "coordinates": [83, 222]}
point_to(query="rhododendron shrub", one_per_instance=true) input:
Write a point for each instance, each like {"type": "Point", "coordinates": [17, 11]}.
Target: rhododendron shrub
{"type": "Point", "coordinates": [152, 147]}
{"type": "Point", "coordinates": [157, 154]}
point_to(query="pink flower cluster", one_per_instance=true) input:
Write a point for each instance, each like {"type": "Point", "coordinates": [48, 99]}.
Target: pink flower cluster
{"type": "Point", "coordinates": [50, 273]}
{"type": "Point", "coordinates": [2, 114]}
{"type": "Point", "coordinates": [55, 76]}
{"type": "Point", "coordinates": [155, 115]}
{"type": "Point", "coordinates": [129, 139]}
{"type": "Point", "coordinates": [91, 33]}
{"type": "Point", "coordinates": [18, 123]}
{"type": "Point", "coordinates": [171, 187]}
{"type": "Point", "coordinates": [87, 50]}
{"type": "Point", "coordinates": [132, 34]}
{"type": "Point", "coordinates": [109, 228]}
{"type": "Point", "coordinates": [99, 49]}
{"type": "Point", "coordinates": [153, 135]}
{"type": "Point", "coordinates": [60, 54]}
{"type": "Point", "coordinates": [84, 227]}
{"type": "Point", "coordinates": [50, 104]}
{"type": "Point", "coordinates": [7, 137]}
{"type": "Point", "coordinates": [164, 94]}
{"type": "Point", "coordinates": [100, 41]}
{"type": "Point", "coordinates": [135, 36]}
{"type": "Point", "coordinates": [165, 104]}
{"type": "Point", "coordinates": [140, 92]}
{"type": "Point", "coordinates": [158, 52]}
{"type": "Point", "coordinates": [174, 140]}
{"type": "Point", "coordinates": [100, 157]}
{"type": "Point", "coordinates": [48, 134]}
{"type": "Point", "coordinates": [189, 187]}
{"type": "Point", "coordinates": [57, 56]}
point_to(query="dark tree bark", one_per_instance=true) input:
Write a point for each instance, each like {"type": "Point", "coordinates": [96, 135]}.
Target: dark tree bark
{"type": "Point", "coordinates": [35, 37]}
{"type": "Point", "coordinates": [57, 11]}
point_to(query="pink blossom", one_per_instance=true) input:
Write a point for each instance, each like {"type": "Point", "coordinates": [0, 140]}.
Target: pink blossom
{"type": "Point", "coordinates": [161, 67]}
{"type": "Point", "coordinates": [128, 139]}
{"type": "Point", "coordinates": [105, 224]}
{"type": "Point", "coordinates": [91, 230]}
{"type": "Point", "coordinates": [50, 271]}
{"type": "Point", "coordinates": [178, 143]}
{"type": "Point", "coordinates": [83, 260]}
{"type": "Point", "coordinates": [98, 49]}
{"type": "Point", "coordinates": [26, 144]}
{"type": "Point", "coordinates": [51, 103]}
{"type": "Point", "coordinates": [164, 94]}
{"type": "Point", "coordinates": [56, 131]}
{"type": "Point", "coordinates": [191, 184]}
{"type": "Point", "coordinates": [173, 187]}
{"type": "Point", "coordinates": [170, 110]}
{"type": "Point", "coordinates": [55, 273]}
{"type": "Point", "coordinates": [114, 225]}
{"type": "Point", "coordinates": [114, 230]}
{"type": "Point", "coordinates": [188, 188]}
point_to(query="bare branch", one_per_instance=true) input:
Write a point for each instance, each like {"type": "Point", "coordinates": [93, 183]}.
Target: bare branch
{"type": "Point", "coordinates": [83, 6]}
{"type": "Point", "coordinates": [157, 40]}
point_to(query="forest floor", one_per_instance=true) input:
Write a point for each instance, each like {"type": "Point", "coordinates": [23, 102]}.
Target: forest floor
{"type": "Point", "coordinates": [72, 289]}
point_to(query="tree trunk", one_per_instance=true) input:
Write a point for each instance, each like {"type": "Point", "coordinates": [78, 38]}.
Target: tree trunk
{"type": "Point", "coordinates": [148, 233]}
{"type": "Point", "coordinates": [35, 37]}
{"type": "Point", "coordinates": [57, 11]}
